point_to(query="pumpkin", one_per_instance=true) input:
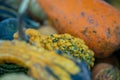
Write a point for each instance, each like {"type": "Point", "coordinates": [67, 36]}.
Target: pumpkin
{"type": "Point", "coordinates": [94, 21]}
{"type": "Point", "coordinates": [70, 45]}
{"type": "Point", "coordinates": [40, 63]}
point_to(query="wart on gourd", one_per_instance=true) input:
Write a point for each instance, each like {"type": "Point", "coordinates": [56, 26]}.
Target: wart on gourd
{"type": "Point", "coordinates": [41, 63]}
{"type": "Point", "coordinates": [70, 45]}
{"type": "Point", "coordinates": [101, 20]}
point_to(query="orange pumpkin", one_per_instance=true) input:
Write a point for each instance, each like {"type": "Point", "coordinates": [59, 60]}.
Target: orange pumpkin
{"type": "Point", "coordinates": [94, 21]}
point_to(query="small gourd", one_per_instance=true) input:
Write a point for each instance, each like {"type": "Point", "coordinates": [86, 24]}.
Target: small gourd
{"type": "Point", "coordinates": [41, 64]}
{"type": "Point", "coordinates": [105, 71]}
{"type": "Point", "coordinates": [70, 45]}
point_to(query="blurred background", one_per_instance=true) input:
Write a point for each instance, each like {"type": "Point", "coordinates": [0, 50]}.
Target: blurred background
{"type": "Point", "coordinates": [35, 18]}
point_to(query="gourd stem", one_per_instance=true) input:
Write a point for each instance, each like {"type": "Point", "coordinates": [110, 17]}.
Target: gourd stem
{"type": "Point", "coordinates": [21, 13]}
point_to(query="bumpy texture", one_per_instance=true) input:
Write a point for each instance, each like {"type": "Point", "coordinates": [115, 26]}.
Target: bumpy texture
{"type": "Point", "coordinates": [42, 64]}
{"type": "Point", "coordinates": [94, 21]}
{"type": "Point", "coordinates": [64, 42]}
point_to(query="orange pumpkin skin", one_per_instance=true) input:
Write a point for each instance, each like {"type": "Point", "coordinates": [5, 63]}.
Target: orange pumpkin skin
{"type": "Point", "coordinates": [94, 21]}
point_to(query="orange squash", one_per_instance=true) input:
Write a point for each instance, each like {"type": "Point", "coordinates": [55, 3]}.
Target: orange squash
{"type": "Point", "coordinates": [94, 21]}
